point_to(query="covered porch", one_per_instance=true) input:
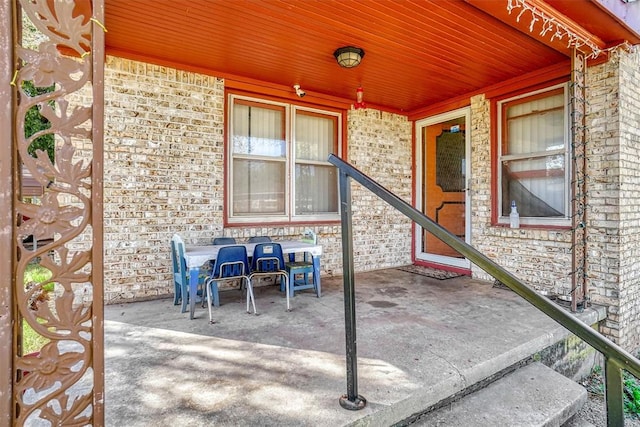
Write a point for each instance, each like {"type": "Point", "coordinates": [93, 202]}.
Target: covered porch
{"type": "Point", "coordinates": [170, 71]}
{"type": "Point", "coordinates": [420, 340]}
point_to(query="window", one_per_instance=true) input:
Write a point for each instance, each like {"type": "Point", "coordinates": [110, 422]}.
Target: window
{"type": "Point", "coordinates": [277, 162]}
{"type": "Point", "coordinates": [533, 158]}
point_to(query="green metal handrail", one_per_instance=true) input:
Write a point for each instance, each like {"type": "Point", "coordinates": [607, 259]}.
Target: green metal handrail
{"type": "Point", "coordinates": [616, 358]}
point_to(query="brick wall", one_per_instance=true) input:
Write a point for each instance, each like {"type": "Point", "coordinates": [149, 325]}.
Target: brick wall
{"type": "Point", "coordinates": [603, 139]}
{"type": "Point", "coordinates": [630, 199]}
{"type": "Point", "coordinates": [380, 146]}
{"type": "Point", "coordinates": [164, 162]}
{"type": "Point", "coordinates": [613, 226]}
{"type": "Point", "coordinates": [538, 257]}
{"type": "Point", "coordinates": [542, 258]}
{"type": "Point", "coordinates": [163, 171]}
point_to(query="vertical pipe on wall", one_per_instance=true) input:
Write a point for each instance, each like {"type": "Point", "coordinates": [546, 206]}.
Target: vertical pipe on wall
{"type": "Point", "coordinates": [579, 178]}
{"type": "Point", "coordinates": [7, 279]}
{"type": "Point", "coordinates": [585, 173]}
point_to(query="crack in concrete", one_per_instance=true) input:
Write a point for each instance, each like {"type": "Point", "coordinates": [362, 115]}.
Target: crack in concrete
{"type": "Point", "coordinates": [454, 367]}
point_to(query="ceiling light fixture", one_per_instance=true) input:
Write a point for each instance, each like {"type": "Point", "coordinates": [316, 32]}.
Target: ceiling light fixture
{"type": "Point", "coordinates": [348, 56]}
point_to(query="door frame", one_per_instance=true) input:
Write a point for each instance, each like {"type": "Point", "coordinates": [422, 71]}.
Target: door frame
{"type": "Point", "coordinates": [419, 169]}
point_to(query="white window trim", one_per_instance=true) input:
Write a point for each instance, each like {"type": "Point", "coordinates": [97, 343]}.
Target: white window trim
{"type": "Point", "coordinates": [538, 221]}
{"type": "Point", "coordinates": [289, 216]}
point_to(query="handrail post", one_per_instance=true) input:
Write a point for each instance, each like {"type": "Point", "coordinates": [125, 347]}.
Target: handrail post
{"type": "Point", "coordinates": [613, 390]}
{"type": "Point", "coordinates": [352, 400]}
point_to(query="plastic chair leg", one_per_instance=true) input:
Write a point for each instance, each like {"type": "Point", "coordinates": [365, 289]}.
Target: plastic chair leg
{"type": "Point", "coordinates": [286, 287]}
{"type": "Point", "coordinates": [250, 297]}
{"type": "Point", "coordinates": [185, 297]}
{"type": "Point", "coordinates": [216, 294]}
{"type": "Point", "coordinates": [176, 293]}
{"type": "Point", "coordinates": [208, 285]}
{"type": "Point", "coordinates": [211, 292]}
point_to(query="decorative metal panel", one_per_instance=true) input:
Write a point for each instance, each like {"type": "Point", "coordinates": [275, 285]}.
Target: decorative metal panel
{"type": "Point", "coordinates": [59, 382]}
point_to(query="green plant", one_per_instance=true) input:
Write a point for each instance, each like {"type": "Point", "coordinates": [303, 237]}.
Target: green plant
{"type": "Point", "coordinates": [594, 384]}
{"type": "Point", "coordinates": [31, 340]}
{"type": "Point", "coordinates": [35, 273]}
{"type": "Point", "coordinates": [631, 394]}
{"type": "Point", "coordinates": [35, 122]}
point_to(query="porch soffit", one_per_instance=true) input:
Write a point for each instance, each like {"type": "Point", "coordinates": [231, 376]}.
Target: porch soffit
{"type": "Point", "coordinates": [417, 52]}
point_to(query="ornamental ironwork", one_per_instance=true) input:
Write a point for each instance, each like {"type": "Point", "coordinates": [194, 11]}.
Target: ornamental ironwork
{"type": "Point", "coordinates": [59, 230]}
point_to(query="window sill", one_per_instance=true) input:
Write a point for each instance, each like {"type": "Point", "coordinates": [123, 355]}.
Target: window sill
{"type": "Point", "coordinates": [261, 223]}
{"type": "Point", "coordinates": [534, 226]}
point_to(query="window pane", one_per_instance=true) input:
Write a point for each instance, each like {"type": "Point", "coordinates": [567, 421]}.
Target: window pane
{"type": "Point", "coordinates": [258, 187]}
{"type": "Point", "coordinates": [537, 186]}
{"type": "Point", "coordinates": [315, 137]}
{"type": "Point", "coordinates": [278, 162]}
{"type": "Point", "coordinates": [316, 189]}
{"type": "Point", "coordinates": [258, 131]}
{"type": "Point", "coordinates": [536, 126]}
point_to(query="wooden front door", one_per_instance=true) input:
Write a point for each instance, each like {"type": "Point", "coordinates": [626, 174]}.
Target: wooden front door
{"type": "Point", "coordinates": [443, 150]}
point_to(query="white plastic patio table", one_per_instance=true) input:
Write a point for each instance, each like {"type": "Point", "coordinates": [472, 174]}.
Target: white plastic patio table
{"type": "Point", "coordinates": [197, 255]}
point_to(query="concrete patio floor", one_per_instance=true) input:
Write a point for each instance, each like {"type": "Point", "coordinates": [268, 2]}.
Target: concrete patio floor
{"type": "Point", "coordinates": [419, 339]}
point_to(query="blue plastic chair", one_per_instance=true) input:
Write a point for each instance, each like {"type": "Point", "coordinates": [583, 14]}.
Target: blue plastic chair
{"type": "Point", "coordinates": [230, 264]}
{"type": "Point", "coordinates": [224, 241]}
{"type": "Point", "coordinates": [259, 239]}
{"type": "Point", "coordinates": [182, 277]}
{"type": "Point", "coordinates": [268, 260]}
{"type": "Point", "coordinates": [301, 268]}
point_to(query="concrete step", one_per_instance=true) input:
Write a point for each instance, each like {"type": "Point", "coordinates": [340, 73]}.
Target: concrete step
{"type": "Point", "coordinates": [533, 395]}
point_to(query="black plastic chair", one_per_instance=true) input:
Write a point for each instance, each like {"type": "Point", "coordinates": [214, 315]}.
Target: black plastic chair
{"type": "Point", "coordinates": [268, 260]}
{"type": "Point", "coordinates": [224, 241]}
{"type": "Point", "coordinates": [231, 263]}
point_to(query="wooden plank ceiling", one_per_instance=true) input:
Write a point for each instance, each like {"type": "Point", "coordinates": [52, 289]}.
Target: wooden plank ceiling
{"type": "Point", "coordinates": [417, 52]}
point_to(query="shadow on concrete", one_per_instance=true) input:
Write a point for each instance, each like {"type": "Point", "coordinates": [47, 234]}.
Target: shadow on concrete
{"type": "Point", "coordinates": [419, 340]}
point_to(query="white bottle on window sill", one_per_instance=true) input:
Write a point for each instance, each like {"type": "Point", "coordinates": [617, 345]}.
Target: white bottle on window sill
{"type": "Point", "coordinates": [514, 216]}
